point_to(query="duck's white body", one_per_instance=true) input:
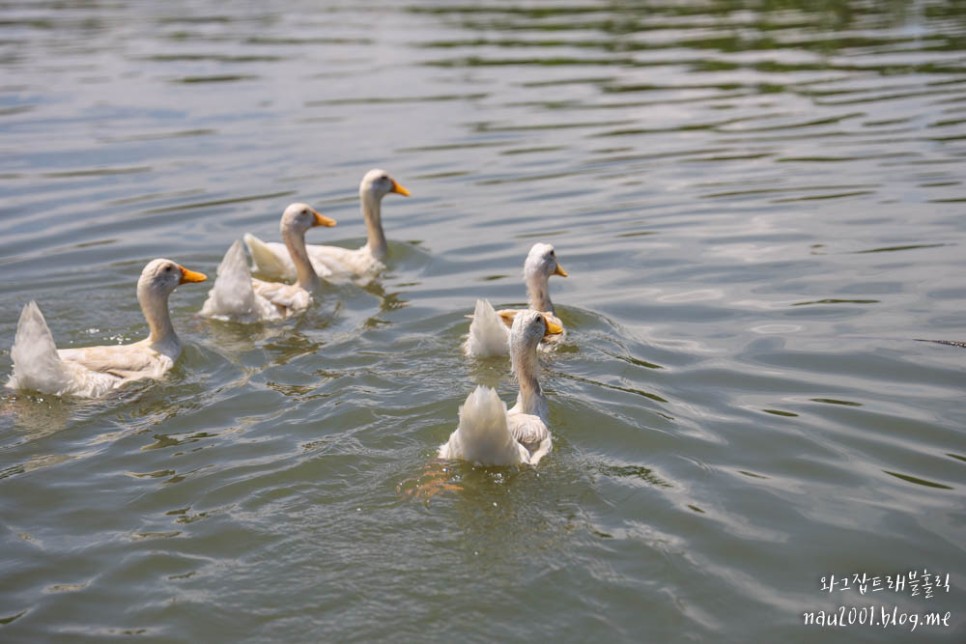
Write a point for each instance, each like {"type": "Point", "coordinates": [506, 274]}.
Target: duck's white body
{"type": "Point", "coordinates": [91, 372]}
{"type": "Point", "coordinates": [488, 434]}
{"type": "Point", "coordinates": [489, 334]}
{"type": "Point", "coordinates": [273, 260]}
{"type": "Point", "coordinates": [239, 297]}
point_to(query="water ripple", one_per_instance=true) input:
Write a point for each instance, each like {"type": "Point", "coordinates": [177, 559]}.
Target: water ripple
{"type": "Point", "coordinates": [760, 211]}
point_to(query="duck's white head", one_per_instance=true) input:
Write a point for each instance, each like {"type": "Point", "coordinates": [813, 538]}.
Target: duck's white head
{"type": "Point", "coordinates": [542, 262]}
{"type": "Point", "coordinates": [158, 279]}
{"type": "Point", "coordinates": [529, 328]}
{"type": "Point", "coordinates": [162, 276]}
{"type": "Point", "coordinates": [299, 217]}
{"type": "Point", "coordinates": [377, 183]}
{"type": "Point", "coordinates": [540, 265]}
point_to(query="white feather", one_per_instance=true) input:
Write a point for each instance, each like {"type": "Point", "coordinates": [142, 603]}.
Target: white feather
{"type": "Point", "coordinates": [482, 436]}
{"type": "Point", "coordinates": [38, 367]}
{"type": "Point", "coordinates": [232, 296]}
{"type": "Point", "coordinates": [489, 336]}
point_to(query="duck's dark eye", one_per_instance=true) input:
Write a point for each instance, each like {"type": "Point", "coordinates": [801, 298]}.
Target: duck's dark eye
{"type": "Point", "coordinates": [167, 269]}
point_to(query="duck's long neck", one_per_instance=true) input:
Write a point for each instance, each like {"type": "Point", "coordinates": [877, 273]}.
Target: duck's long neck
{"type": "Point", "coordinates": [538, 293]}
{"type": "Point", "coordinates": [372, 214]}
{"type": "Point", "coordinates": [154, 306]}
{"type": "Point", "coordinates": [530, 400]}
{"type": "Point", "coordinates": [305, 274]}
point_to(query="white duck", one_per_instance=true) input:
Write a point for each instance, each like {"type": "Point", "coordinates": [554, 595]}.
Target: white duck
{"type": "Point", "coordinates": [488, 434]}
{"type": "Point", "coordinates": [272, 260]}
{"type": "Point", "coordinates": [490, 329]}
{"type": "Point", "coordinates": [91, 372]}
{"type": "Point", "coordinates": [237, 296]}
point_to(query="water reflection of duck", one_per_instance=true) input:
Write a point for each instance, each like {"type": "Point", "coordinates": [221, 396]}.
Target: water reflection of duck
{"type": "Point", "coordinates": [488, 433]}
{"type": "Point", "coordinates": [237, 296]}
{"type": "Point", "coordinates": [490, 329]}
{"type": "Point", "coordinates": [91, 372]}
{"type": "Point", "coordinates": [273, 261]}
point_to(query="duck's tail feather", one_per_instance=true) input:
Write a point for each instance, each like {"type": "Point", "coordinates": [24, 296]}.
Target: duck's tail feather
{"type": "Point", "coordinates": [36, 364]}
{"type": "Point", "coordinates": [266, 262]}
{"type": "Point", "coordinates": [232, 295]}
{"type": "Point", "coordinates": [488, 335]}
{"type": "Point", "coordinates": [482, 435]}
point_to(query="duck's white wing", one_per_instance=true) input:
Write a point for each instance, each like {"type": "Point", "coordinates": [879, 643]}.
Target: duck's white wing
{"type": "Point", "coordinates": [532, 432]}
{"type": "Point", "coordinates": [270, 260]}
{"type": "Point", "coordinates": [37, 365]}
{"type": "Point", "coordinates": [278, 300]}
{"type": "Point", "coordinates": [128, 361]}
{"type": "Point", "coordinates": [335, 264]}
{"type": "Point", "coordinates": [482, 435]}
{"type": "Point", "coordinates": [489, 335]}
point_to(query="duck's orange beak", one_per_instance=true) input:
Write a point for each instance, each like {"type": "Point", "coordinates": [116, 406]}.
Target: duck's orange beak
{"type": "Point", "coordinates": [322, 220]}
{"type": "Point", "coordinates": [507, 315]}
{"type": "Point", "coordinates": [560, 271]}
{"type": "Point", "coordinates": [553, 328]}
{"type": "Point", "coordinates": [399, 189]}
{"type": "Point", "coordinates": [191, 276]}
